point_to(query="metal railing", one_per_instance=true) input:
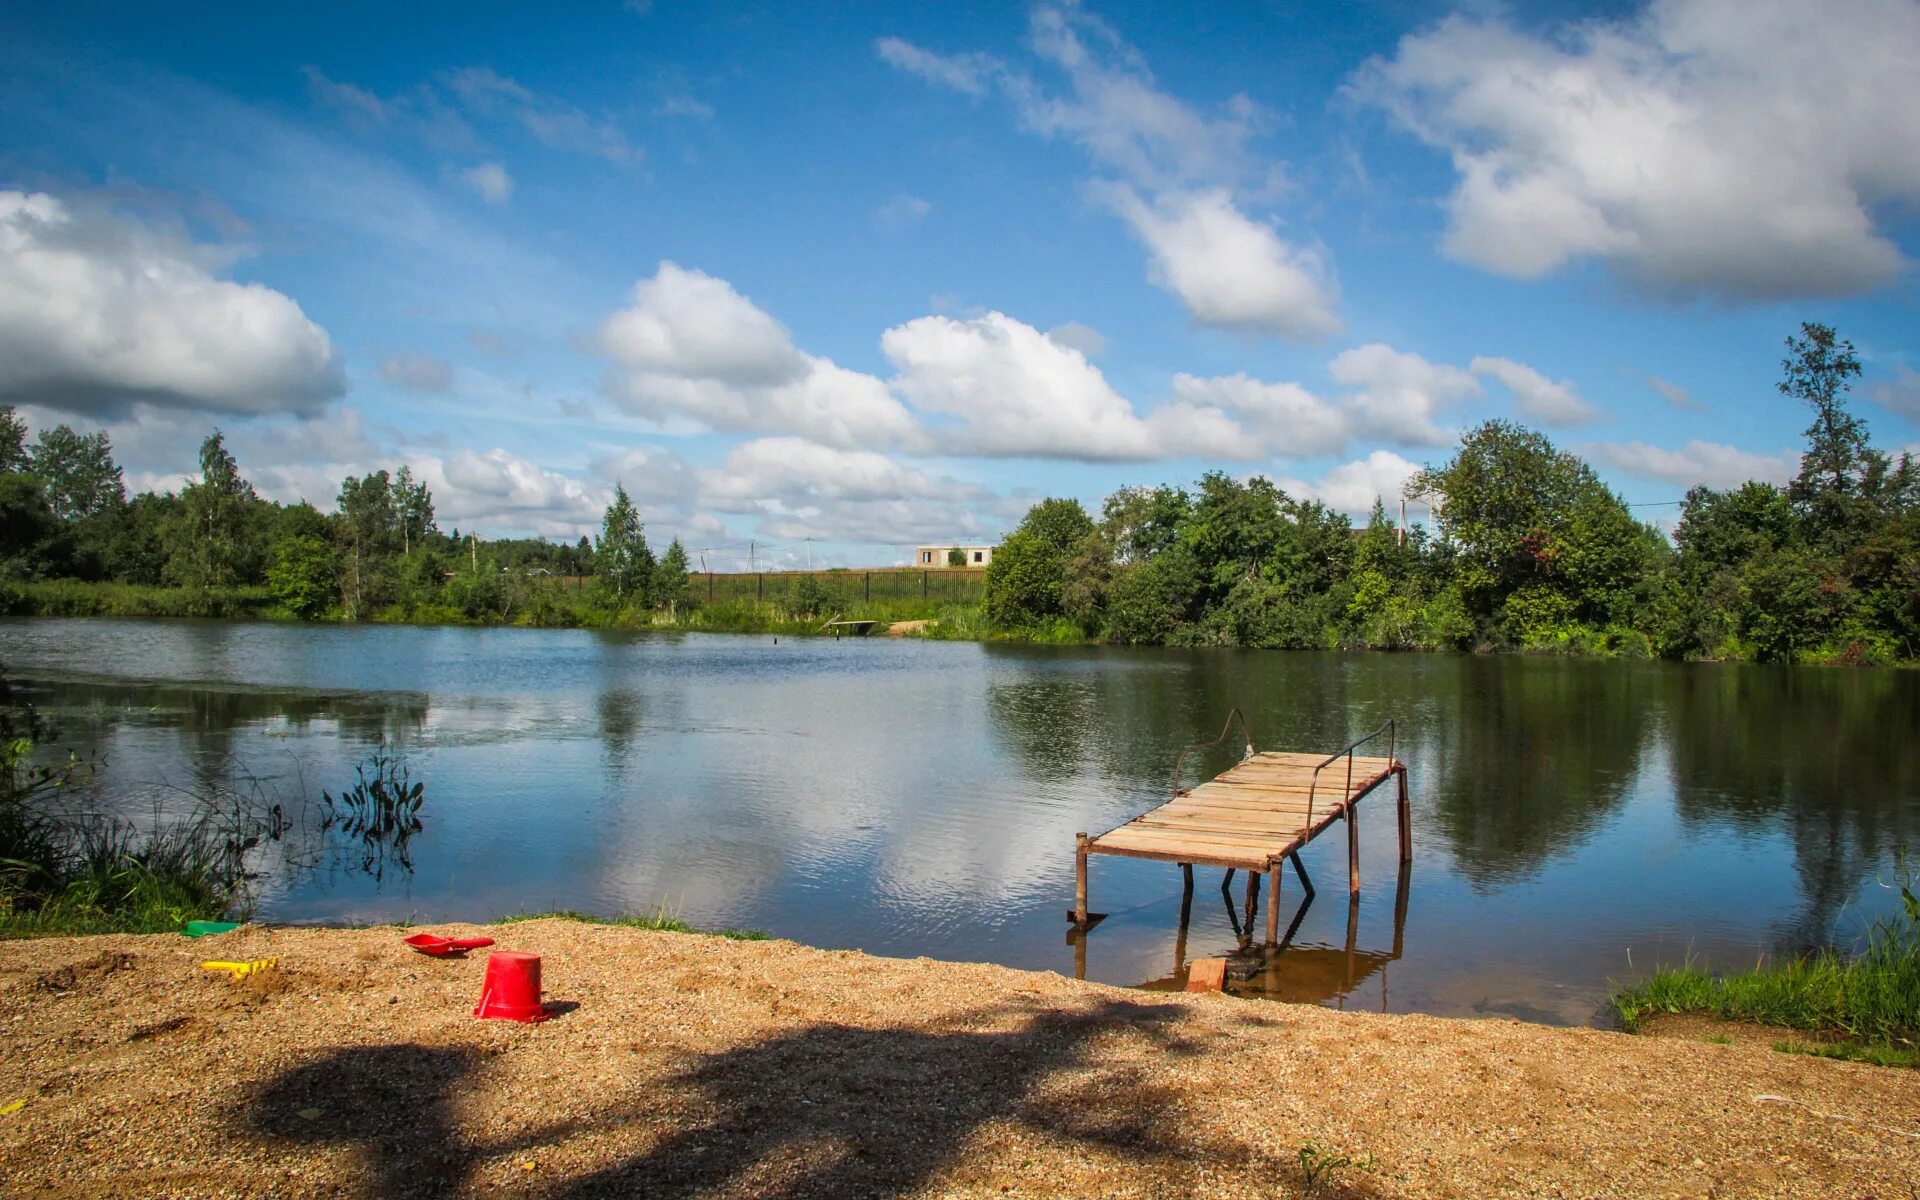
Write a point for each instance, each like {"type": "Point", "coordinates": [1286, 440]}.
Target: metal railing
{"type": "Point", "coordinates": [1224, 729]}
{"type": "Point", "coordinates": [1313, 785]}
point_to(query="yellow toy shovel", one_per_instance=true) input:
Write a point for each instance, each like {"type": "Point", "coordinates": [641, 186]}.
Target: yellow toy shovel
{"type": "Point", "coordinates": [240, 970]}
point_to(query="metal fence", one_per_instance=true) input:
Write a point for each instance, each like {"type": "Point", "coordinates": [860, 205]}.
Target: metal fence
{"type": "Point", "coordinates": [940, 585]}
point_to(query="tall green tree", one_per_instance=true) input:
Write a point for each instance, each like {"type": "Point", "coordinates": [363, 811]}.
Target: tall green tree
{"type": "Point", "coordinates": [413, 506]}
{"type": "Point", "coordinates": [210, 546]}
{"type": "Point", "coordinates": [1817, 371]}
{"type": "Point", "coordinates": [672, 583]}
{"type": "Point", "coordinates": [621, 558]}
{"type": "Point", "coordinates": [78, 472]}
{"type": "Point", "coordinates": [1026, 581]}
{"type": "Point", "coordinates": [13, 440]}
{"type": "Point", "coordinates": [369, 530]}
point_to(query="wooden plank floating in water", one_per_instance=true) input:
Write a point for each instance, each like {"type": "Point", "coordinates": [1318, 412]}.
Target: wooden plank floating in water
{"type": "Point", "coordinates": [854, 628]}
{"type": "Point", "coordinates": [1253, 817]}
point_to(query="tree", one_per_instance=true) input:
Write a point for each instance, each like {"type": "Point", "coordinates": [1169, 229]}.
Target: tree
{"type": "Point", "coordinates": [621, 558]}
{"type": "Point", "coordinates": [13, 440]}
{"type": "Point", "coordinates": [370, 533]}
{"type": "Point", "coordinates": [78, 472]}
{"type": "Point", "coordinates": [209, 547]}
{"type": "Point", "coordinates": [301, 577]}
{"type": "Point", "coordinates": [413, 506]}
{"type": "Point", "coordinates": [1027, 576]}
{"type": "Point", "coordinates": [1816, 370]}
{"type": "Point", "coordinates": [671, 584]}
{"type": "Point", "coordinates": [31, 539]}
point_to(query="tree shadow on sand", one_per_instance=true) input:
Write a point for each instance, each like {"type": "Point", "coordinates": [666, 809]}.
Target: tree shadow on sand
{"type": "Point", "coordinates": [825, 1110]}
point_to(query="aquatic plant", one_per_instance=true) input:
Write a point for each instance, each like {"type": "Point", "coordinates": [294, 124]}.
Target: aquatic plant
{"type": "Point", "coordinates": [1866, 1002]}
{"type": "Point", "coordinates": [379, 814]}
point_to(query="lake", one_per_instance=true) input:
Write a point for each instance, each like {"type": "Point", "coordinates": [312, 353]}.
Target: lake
{"type": "Point", "coordinates": [1574, 821]}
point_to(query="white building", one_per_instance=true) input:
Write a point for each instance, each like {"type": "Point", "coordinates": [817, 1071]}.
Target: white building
{"type": "Point", "coordinates": [942, 556]}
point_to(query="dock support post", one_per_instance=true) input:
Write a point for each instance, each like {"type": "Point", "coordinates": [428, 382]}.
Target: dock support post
{"type": "Point", "coordinates": [1273, 901]}
{"type": "Point", "coordinates": [1080, 880]}
{"type": "Point", "coordinates": [1253, 898]}
{"type": "Point", "coordinates": [1406, 820]}
{"type": "Point", "coordinates": [1353, 853]}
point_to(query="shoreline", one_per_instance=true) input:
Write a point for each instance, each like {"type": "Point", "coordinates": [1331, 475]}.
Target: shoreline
{"type": "Point", "coordinates": [685, 1063]}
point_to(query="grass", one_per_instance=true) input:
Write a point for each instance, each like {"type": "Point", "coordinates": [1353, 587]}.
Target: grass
{"type": "Point", "coordinates": [660, 920]}
{"type": "Point", "coordinates": [122, 881]}
{"type": "Point", "coordinates": [1863, 1006]}
{"type": "Point", "coordinates": [78, 598]}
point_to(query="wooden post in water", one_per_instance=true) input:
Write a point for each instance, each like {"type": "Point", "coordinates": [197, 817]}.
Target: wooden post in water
{"type": "Point", "coordinates": [1406, 821]}
{"type": "Point", "coordinates": [1353, 853]}
{"type": "Point", "coordinates": [1273, 901]}
{"type": "Point", "coordinates": [1253, 899]}
{"type": "Point", "coordinates": [1080, 880]}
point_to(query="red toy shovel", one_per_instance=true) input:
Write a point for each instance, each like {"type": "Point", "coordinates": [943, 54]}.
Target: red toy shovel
{"type": "Point", "coordinates": [439, 947]}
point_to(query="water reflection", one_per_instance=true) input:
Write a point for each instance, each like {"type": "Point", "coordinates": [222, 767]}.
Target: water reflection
{"type": "Point", "coordinates": [920, 798]}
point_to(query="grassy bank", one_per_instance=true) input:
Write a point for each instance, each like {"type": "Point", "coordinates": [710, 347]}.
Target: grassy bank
{"type": "Point", "coordinates": [1863, 1006]}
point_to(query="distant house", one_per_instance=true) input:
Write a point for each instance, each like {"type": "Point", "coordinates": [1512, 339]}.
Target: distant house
{"type": "Point", "coordinates": [941, 556]}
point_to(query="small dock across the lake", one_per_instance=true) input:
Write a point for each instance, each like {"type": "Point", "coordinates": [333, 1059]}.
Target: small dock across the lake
{"type": "Point", "coordinates": [1256, 816]}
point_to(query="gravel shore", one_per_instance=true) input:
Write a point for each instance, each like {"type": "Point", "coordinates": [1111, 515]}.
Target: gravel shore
{"type": "Point", "coordinates": [681, 1065]}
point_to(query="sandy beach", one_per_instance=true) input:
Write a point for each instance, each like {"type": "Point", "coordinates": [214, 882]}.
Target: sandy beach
{"type": "Point", "coordinates": [683, 1065]}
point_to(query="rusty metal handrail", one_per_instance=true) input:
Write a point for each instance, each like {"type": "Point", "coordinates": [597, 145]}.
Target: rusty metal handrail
{"type": "Point", "coordinates": [1313, 785]}
{"type": "Point", "coordinates": [1245, 728]}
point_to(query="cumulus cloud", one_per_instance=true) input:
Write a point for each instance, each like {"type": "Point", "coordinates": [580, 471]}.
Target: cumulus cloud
{"type": "Point", "coordinates": [418, 372]}
{"type": "Point", "coordinates": [1229, 270]}
{"type": "Point", "coordinates": [800, 489]}
{"type": "Point", "coordinates": [1011, 390]}
{"type": "Point", "coordinates": [1293, 422]}
{"type": "Point", "coordinates": [1712, 463]}
{"type": "Point", "coordinates": [1399, 396]}
{"type": "Point", "coordinates": [98, 311]}
{"type": "Point", "coordinates": [1084, 338]}
{"type": "Point", "coordinates": [1184, 174]}
{"type": "Point", "coordinates": [1354, 486]}
{"type": "Point", "coordinates": [689, 345]}
{"type": "Point", "coordinates": [1703, 146]}
{"type": "Point", "coordinates": [1543, 399]}
{"type": "Point", "coordinates": [1901, 394]}
{"type": "Point", "coordinates": [490, 181]}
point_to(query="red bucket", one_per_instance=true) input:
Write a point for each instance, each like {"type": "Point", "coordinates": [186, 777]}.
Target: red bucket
{"type": "Point", "coordinates": [512, 989]}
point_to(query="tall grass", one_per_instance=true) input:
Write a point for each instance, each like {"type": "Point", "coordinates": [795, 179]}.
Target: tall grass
{"type": "Point", "coordinates": [1867, 1000]}
{"type": "Point", "coordinates": [79, 598]}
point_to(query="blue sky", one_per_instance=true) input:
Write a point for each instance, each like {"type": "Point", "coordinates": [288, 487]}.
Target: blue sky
{"type": "Point", "coordinates": [844, 279]}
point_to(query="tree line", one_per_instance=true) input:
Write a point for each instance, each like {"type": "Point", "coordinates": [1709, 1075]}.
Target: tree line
{"type": "Point", "coordinates": [379, 554]}
{"type": "Point", "coordinates": [1528, 550]}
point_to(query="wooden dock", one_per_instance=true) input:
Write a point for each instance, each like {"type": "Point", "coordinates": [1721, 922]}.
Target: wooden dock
{"type": "Point", "coordinates": [1254, 817]}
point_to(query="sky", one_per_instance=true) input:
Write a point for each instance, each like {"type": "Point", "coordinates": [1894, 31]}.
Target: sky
{"type": "Point", "coordinates": [838, 280]}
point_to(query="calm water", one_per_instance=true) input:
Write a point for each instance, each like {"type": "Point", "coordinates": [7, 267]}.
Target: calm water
{"type": "Point", "coordinates": [1573, 821]}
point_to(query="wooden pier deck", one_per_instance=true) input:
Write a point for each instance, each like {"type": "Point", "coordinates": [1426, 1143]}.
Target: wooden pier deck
{"type": "Point", "coordinates": [1255, 816]}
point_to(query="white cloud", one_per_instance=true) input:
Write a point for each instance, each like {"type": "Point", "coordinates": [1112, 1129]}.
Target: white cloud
{"type": "Point", "coordinates": [1901, 394]}
{"type": "Point", "coordinates": [1711, 463]}
{"type": "Point", "coordinates": [692, 346]}
{"type": "Point", "coordinates": [1353, 487]}
{"type": "Point", "coordinates": [800, 489]}
{"type": "Point", "coordinates": [491, 181]}
{"type": "Point", "coordinates": [1084, 338]}
{"type": "Point", "coordinates": [1543, 399]}
{"type": "Point", "coordinates": [684, 106]}
{"type": "Point", "coordinates": [1399, 396]}
{"type": "Point", "coordinates": [902, 208]}
{"type": "Point", "coordinates": [418, 372]}
{"type": "Point", "coordinates": [1188, 172]}
{"type": "Point", "coordinates": [1293, 422]}
{"type": "Point", "coordinates": [1229, 270]}
{"type": "Point", "coordinates": [1673, 394]}
{"type": "Point", "coordinates": [1742, 149]}
{"type": "Point", "coordinates": [550, 120]}
{"type": "Point", "coordinates": [969, 73]}
{"type": "Point", "coordinates": [97, 311]}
